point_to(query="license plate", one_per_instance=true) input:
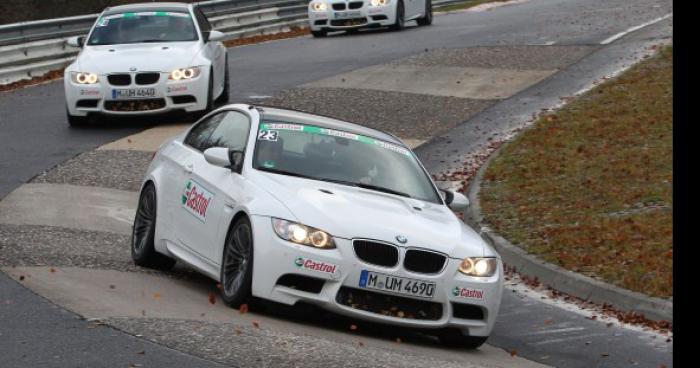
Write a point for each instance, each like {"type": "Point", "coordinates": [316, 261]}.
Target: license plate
{"type": "Point", "coordinates": [346, 15]}
{"type": "Point", "coordinates": [132, 93]}
{"type": "Point", "coordinates": [394, 284]}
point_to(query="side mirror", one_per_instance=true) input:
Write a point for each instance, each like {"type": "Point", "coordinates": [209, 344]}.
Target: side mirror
{"type": "Point", "coordinates": [217, 156]}
{"type": "Point", "coordinates": [76, 41]}
{"type": "Point", "coordinates": [215, 36]}
{"type": "Point", "coordinates": [455, 200]}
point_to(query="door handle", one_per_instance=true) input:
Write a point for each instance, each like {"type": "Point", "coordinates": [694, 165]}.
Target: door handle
{"type": "Point", "coordinates": [189, 168]}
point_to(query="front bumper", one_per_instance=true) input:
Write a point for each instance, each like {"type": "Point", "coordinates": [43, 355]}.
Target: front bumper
{"type": "Point", "coordinates": [364, 17]}
{"type": "Point", "coordinates": [184, 95]}
{"type": "Point", "coordinates": [338, 272]}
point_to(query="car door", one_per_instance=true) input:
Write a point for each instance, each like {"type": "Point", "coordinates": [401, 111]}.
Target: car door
{"type": "Point", "coordinates": [210, 190]}
{"type": "Point", "coordinates": [214, 51]}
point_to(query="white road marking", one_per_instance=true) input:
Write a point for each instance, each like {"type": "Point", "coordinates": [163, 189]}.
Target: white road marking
{"type": "Point", "coordinates": [632, 29]}
{"type": "Point", "coordinates": [260, 97]}
{"type": "Point", "coordinates": [557, 330]}
{"type": "Point", "coordinates": [564, 339]}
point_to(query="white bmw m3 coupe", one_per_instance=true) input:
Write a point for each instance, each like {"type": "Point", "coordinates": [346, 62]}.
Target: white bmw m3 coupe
{"type": "Point", "coordinates": [144, 59]}
{"type": "Point", "coordinates": [350, 15]}
{"type": "Point", "coordinates": [289, 206]}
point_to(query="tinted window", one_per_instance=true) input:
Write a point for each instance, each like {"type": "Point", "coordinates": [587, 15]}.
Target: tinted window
{"type": "Point", "coordinates": [199, 135]}
{"type": "Point", "coordinates": [232, 132]}
{"type": "Point", "coordinates": [143, 27]}
{"type": "Point", "coordinates": [346, 158]}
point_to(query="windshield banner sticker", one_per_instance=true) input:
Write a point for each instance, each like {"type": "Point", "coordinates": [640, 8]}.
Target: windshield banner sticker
{"type": "Point", "coordinates": [333, 133]}
{"type": "Point", "coordinates": [196, 200]}
{"type": "Point", "coordinates": [104, 20]}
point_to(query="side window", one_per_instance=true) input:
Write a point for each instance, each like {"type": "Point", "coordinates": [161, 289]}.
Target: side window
{"type": "Point", "coordinates": [204, 24]}
{"type": "Point", "coordinates": [198, 137]}
{"type": "Point", "coordinates": [232, 132]}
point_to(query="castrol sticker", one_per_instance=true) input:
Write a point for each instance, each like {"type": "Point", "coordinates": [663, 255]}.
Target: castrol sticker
{"type": "Point", "coordinates": [196, 200]}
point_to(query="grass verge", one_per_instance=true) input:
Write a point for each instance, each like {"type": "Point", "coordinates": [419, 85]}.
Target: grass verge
{"type": "Point", "coordinates": [590, 187]}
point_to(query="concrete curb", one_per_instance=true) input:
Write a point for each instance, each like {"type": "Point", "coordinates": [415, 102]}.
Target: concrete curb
{"type": "Point", "coordinates": [558, 278]}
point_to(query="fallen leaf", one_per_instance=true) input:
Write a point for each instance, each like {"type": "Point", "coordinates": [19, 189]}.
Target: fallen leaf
{"type": "Point", "coordinates": [238, 331]}
{"type": "Point", "coordinates": [353, 327]}
{"type": "Point", "coordinates": [21, 277]}
{"type": "Point", "coordinates": [548, 322]}
{"type": "Point", "coordinates": [112, 286]}
{"type": "Point", "coordinates": [243, 308]}
{"type": "Point", "coordinates": [513, 353]}
{"type": "Point", "coordinates": [361, 343]}
{"type": "Point", "coordinates": [256, 324]}
{"type": "Point", "coordinates": [218, 286]}
{"type": "Point", "coordinates": [156, 295]}
{"type": "Point", "coordinates": [398, 340]}
{"type": "Point", "coordinates": [141, 352]}
{"type": "Point", "coordinates": [212, 298]}
{"type": "Point", "coordinates": [604, 354]}
{"type": "Point", "coordinates": [52, 270]}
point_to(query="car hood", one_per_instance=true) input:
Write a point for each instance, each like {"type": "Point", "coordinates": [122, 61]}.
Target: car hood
{"type": "Point", "coordinates": [351, 212]}
{"type": "Point", "coordinates": [159, 57]}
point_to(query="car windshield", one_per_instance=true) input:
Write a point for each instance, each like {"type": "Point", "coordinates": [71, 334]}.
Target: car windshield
{"type": "Point", "coordinates": [143, 27]}
{"type": "Point", "coordinates": [318, 153]}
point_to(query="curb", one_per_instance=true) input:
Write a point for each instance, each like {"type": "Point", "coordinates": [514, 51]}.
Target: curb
{"type": "Point", "coordinates": [558, 278]}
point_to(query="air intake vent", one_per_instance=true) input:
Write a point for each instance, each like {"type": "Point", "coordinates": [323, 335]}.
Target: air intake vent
{"type": "Point", "coordinates": [147, 78]}
{"type": "Point", "coordinates": [119, 79]}
{"type": "Point", "coordinates": [380, 254]}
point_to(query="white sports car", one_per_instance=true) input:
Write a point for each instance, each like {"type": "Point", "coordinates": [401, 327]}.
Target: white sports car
{"type": "Point", "coordinates": [146, 58]}
{"type": "Point", "coordinates": [289, 206]}
{"type": "Point", "coordinates": [350, 15]}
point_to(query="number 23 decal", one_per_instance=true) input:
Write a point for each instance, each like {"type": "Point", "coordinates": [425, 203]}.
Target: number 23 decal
{"type": "Point", "coordinates": [268, 135]}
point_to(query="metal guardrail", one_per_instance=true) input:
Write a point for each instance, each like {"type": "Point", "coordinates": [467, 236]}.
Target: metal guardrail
{"type": "Point", "coordinates": [31, 49]}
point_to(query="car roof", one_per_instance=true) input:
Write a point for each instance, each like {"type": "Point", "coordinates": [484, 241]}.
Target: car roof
{"type": "Point", "coordinates": [160, 6]}
{"type": "Point", "coordinates": [300, 117]}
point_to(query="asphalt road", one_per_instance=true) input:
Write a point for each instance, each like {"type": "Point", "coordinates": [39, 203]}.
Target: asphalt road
{"type": "Point", "coordinates": [34, 137]}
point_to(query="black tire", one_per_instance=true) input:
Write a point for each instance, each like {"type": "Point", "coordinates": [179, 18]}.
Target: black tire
{"type": "Point", "coordinates": [427, 18]}
{"type": "Point", "coordinates": [455, 339]}
{"type": "Point", "coordinates": [143, 233]}
{"type": "Point", "coordinates": [400, 22]}
{"type": "Point", "coordinates": [237, 264]}
{"type": "Point", "coordinates": [224, 97]}
{"type": "Point", "coordinates": [76, 121]}
{"type": "Point", "coordinates": [318, 34]}
{"type": "Point", "coordinates": [210, 93]}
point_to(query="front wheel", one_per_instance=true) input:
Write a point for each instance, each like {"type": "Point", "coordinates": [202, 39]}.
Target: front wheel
{"type": "Point", "coordinates": [427, 18]}
{"type": "Point", "coordinates": [321, 33]}
{"type": "Point", "coordinates": [455, 338]}
{"type": "Point", "coordinates": [143, 250]}
{"type": "Point", "coordinates": [400, 21]}
{"type": "Point", "coordinates": [237, 264]}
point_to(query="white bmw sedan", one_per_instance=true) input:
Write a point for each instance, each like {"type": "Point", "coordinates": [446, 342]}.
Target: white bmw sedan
{"type": "Point", "coordinates": [350, 15]}
{"type": "Point", "coordinates": [288, 206]}
{"type": "Point", "coordinates": [146, 58]}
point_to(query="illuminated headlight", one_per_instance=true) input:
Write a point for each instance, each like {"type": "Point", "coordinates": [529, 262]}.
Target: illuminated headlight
{"type": "Point", "coordinates": [186, 73]}
{"type": "Point", "coordinates": [318, 6]}
{"type": "Point", "coordinates": [481, 267]}
{"type": "Point", "coordinates": [84, 78]}
{"type": "Point", "coordinates": [302, 234]}
{"type": "Point", "coordinates": [379, 2]}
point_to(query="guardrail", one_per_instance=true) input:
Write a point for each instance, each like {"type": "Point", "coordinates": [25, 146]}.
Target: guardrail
{"type": "Point", "coordinates": [31, 49]}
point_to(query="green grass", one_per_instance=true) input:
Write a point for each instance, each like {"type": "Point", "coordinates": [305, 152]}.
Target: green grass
{"type": "Point", "coordinates": [466, 5]}
{"type": "Point", "coordinates": [590, 187]}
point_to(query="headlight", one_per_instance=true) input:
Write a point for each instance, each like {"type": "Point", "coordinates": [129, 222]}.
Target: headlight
{"type": "Point", "coordinates": [481, 267]}
{"type": "Point", "coordinates": [84, 78]}
{"type": "Point", "coordinates": [302, 234]}
{"type": "Point", "coordinates": [318, 6]}
{"type": "Point", "coordinates": [379, 2]}
{"type": "Point", "coordinates": [186, 73]}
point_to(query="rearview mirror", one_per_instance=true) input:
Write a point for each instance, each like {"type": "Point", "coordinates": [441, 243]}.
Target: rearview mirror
{"type": "Point", "coordinates": [455, 200]}
{"type": "Point", "coordinates": [215, 36]}
{"type": "Point", "coordinates": [76, 41]}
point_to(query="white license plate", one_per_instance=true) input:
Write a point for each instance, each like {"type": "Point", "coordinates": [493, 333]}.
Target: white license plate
{"type": "Point", "coordinates": [394, 284]}
{"type": "Point", "coordinates": [132, 93]}
{"type": "Point", "coordinates": [347, 14]}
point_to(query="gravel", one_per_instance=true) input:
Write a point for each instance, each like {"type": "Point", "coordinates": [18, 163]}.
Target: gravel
{"type": "Point", "coordinates": [249, 346]}
{"type": "Point", "coordinates": [117, 169]}
{"type": "Point", "coordinates": [407, 115]}
{"type": "Point", "coordinates": [32, 245]}
{"type": "Point", "coordinates": [501, 57]}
